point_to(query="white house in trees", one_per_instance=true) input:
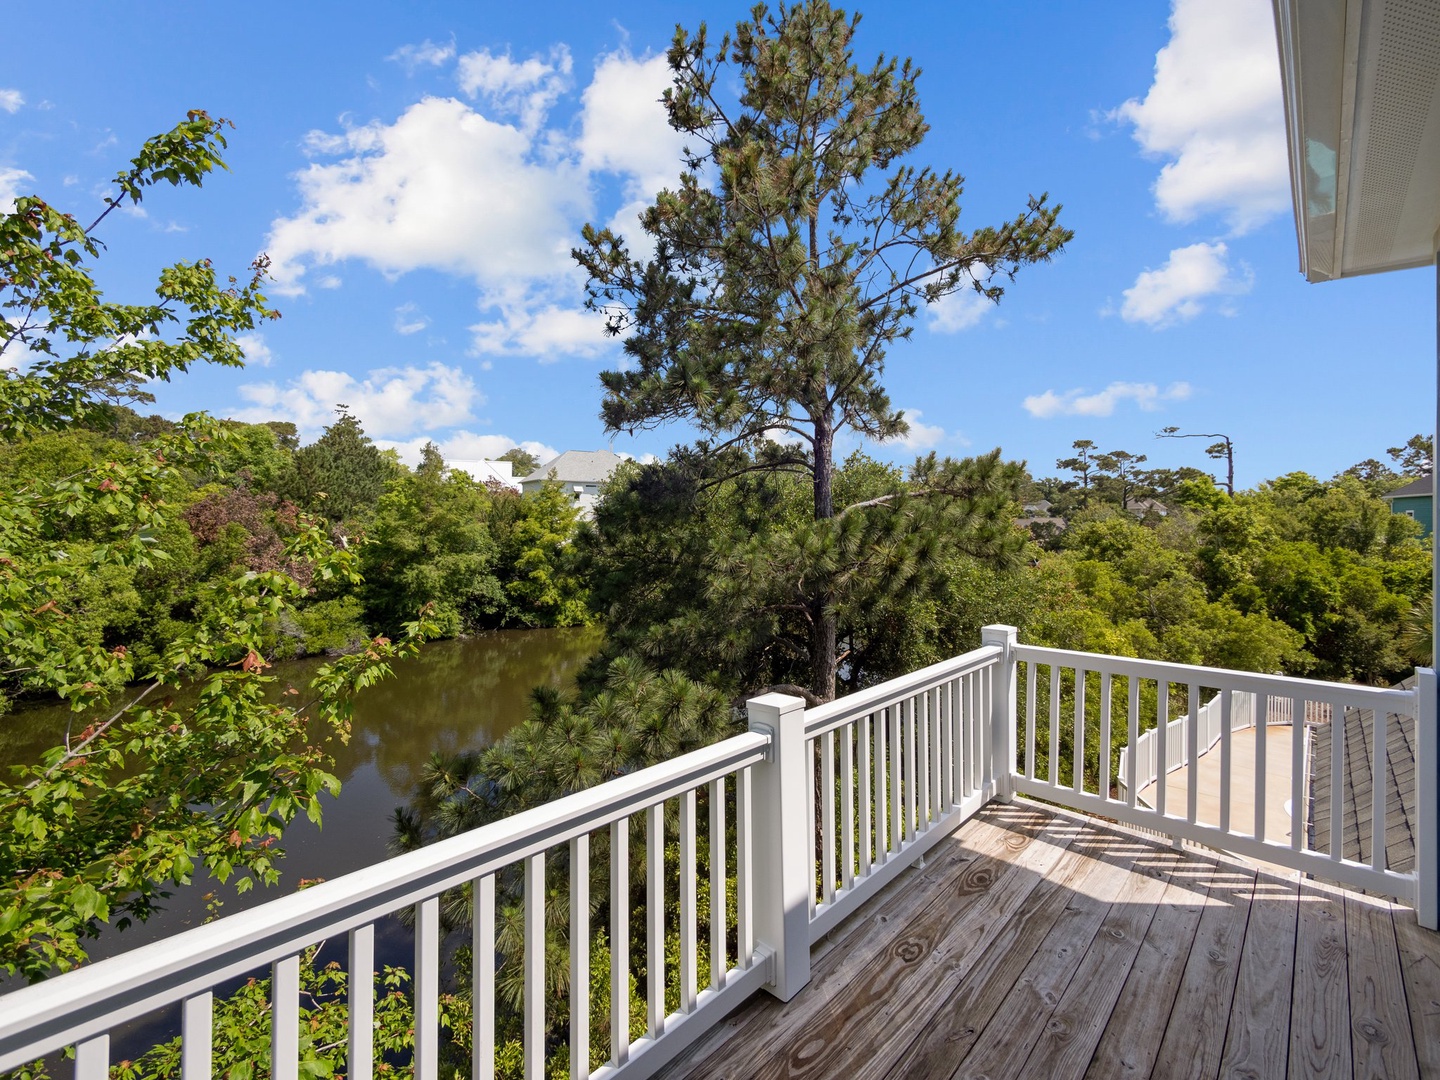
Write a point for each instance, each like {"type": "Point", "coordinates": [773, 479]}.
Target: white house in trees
{"type": "Point", "coordinates": [579, 473]}
{"type": "Point", "coordinates": [483, 471]}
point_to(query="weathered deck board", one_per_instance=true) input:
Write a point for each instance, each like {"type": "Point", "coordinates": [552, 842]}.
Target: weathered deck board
{"type": "Point", "coordinates": [1050, 945]}
{"type": "Point", "coordinates": [1320, 1019]}
{"type": "Point", "coordinates": [1078, 1021]}
{"type": "Point", "coordinates": [1420, 969]}
{"type": "Point", "coordinates": [1195, 1033]}
{"type": "Point", "coordinates": [953, 1028]}
{"type": "Point", "coordinates": [1008, 1038]}
{"type": "Point", "coordinates": [1132, 1038]}
{"type": "Point", "coordinates": [1380, 1035]}
{"type": "Point", "coordinates": [1255, 1046]}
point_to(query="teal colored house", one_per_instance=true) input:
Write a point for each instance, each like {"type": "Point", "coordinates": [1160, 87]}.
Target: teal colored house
{"type": "Point", "coordinates": [1414, 500]}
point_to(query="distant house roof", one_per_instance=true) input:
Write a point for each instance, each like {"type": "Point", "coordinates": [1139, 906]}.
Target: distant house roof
{"type": "Point", "coordinates": [1141, 507]}
{"type": "Point", "coordinates": [483, 471]}
{"type": "Point", "coordinates": [1412, 489]}
{"type": "Point", "coordinates": [577, 467]}
{"type": "Point", "coordinates": [1357, 788]}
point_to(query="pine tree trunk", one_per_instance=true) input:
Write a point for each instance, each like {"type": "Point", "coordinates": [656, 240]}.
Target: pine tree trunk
{"type": "Point", "coordinates": [823, 624]}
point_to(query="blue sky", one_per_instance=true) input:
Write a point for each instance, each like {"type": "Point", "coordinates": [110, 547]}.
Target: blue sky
{"type": "Point", "coordinates": [419, 172]}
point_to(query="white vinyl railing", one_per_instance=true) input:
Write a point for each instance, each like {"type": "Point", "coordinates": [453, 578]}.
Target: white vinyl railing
{"type": "Point", "coordinates": [900, 765]}
{"type": "Point", "coordinates": [830, 804]}
{"type": "Point", "coordinates": [81, 1008]}
{"type": "Point", "coordinates": [1075, 696]}
{"type": "Point", "coordinates": [1242, 710]}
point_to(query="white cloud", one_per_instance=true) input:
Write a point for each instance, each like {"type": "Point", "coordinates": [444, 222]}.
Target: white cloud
{"type": "Point", "coordinates": [920, 436]}
{"type": "Point", "coordinates": [958, 311]}
{"type": "Point", "coordinates": [255, 350]}
{"type": "Point", "coordinates": [623, 128]}
{"type": "Point", "coordinates": [1175, 291]}
{"type": "Point", "coordinates": [547, 332]}
{"type": "Point", "coordinates": [11, 100]}
{"type": "Point", "coordinates": [426, 54]}
{"type": "Point", "coordinates": [389, 402]}
{"type": "Point", "coordinates": [526, 90]}
{"type": "Point", "coordinates": [1214, 110]}
{"type": "Point", "coordinates": [491, 190]}
{"type": "Point", "coordinates": [10, 190]}
{"type": "Point", "coordinates": [1147, 397]}
{"type": "Point", "coordinates": [410, 320]}
{"type": "Point", "coordinates": [467, 446]}
{"type": "Point", "coordinates": [443, 187]}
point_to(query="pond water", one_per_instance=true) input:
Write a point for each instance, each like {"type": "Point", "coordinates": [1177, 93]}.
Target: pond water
{"type": "Point", "coordinates": [455, 695]}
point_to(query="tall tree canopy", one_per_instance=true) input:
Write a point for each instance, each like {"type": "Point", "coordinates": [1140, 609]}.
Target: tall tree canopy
{"type": "Point", "coordinates": [795, 249]}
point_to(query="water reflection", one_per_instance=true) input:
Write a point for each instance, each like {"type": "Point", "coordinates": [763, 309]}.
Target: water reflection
{"type": "Point", "coordinates": [454, 696]}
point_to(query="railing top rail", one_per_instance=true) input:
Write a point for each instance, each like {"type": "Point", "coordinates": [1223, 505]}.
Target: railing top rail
{"type": "Point", "coordinates": [1347, 694]}
{"type": "Point", "coordinates": [36, 1020]}
{"type": "Point", "coordinates": [834, 714]}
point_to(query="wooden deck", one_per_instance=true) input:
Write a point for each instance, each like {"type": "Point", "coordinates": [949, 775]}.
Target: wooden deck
{"type": "Point", "coordinates": [1039, 944]}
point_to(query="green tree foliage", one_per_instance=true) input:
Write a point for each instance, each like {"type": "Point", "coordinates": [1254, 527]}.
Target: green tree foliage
{"type": "Point", "coordinates": [772, 297]}
{"type": "Point", "coordinates": [707, 564]}
{"type": "Point", "coordinates": [524, 462]}
{"type": "Point", "coordinates": [542, 581]}
{"type": "Point", "coordinates": [427, 543]}
{"type": "Point", "coordinates": [342, 474]}
{"type": "Point", "coordinates": [142, 789]}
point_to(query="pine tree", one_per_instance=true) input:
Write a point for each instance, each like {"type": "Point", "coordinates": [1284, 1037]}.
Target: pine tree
{"type": "Point", "coordinates": [773, 295]}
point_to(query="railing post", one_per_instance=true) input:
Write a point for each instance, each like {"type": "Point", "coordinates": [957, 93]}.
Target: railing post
{"type": "Point", "coordinates": [784, 842]}
{"type": "Point", "coordinates": [1002, 711]}
{"type": "Point", "coordinates": [1427, 792]}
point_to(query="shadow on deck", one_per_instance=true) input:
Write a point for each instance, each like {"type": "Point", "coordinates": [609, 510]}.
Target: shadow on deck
{"type": "Point", "coordinates": [1044, 944]}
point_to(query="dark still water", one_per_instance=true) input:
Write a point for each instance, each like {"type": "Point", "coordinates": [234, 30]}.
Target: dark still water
{"type": "Point", "coordinates": [456, 695]}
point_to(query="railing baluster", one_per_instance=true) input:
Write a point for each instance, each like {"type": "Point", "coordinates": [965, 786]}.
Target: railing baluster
{"type": "Point", "coordinates": [92, 1059]}
{"type": "Point", "coordinates": [954, 690]}
{"type": "Point", "coordinates": [975, 720]}
{"type": "Point", "coordinates": [1192, 756]}
{"type": "Point", "coordinates": [810, 782]}
{"type": "Point", "coordinates": [1054, 725]}
{"type": "Point", "coordinates": [1077, 764]}
{"type": "Point", "coordinates": [1226, 701]}
{"type": "Point", "coordinates": [534, 967]}
{"type": "Point", "coordinates": [360, 993]}
{"type": "Point", "coordinates": [908, 713]}
{"type": "Point", "coordinates": [689, 906]}
{"type": "Point", "coordinates": [427, 989]}
{"type": "Point", "coordinates": [982, 721]}
{"type": "Point", "coordinates": [655, 918]}
{"type": "Point", "coordinates": [943, 704]}
{"type": "Point", "coordinates": [847, 806]}
{"type": "Point", "coordinates": [1260, 713]}
{"type": "Point", "coordinates": [482, 978]}
{"type": "Point", "coordinates": [620, 941]}
{"type": "Point", "coordinates": [827, 817]}
{"type": "Point", "coordinates": [580, 957]}
{"type": "Point", "coordinates": [1162, 734]}
{"type": "Point", "coordinates": [1337, 776]}
{"type": "Point", "coordinates": [897, 793]}
{"type": "Point", "coordinates": [285, 1018]}
{"type": "Point", "coordinates": [883, 794]}
{"type": "Point", "coordinates": [744, 869]}
{"type": "Point", "coordinates": [1132, 730]}
{"type": "Point", "coordinates": [1106, 689]}
{"type": "Point", "coordinates": [196, 1035]}
{"type": "Point", "coordinates": [922, 761]}
{"type": "Point", "coordinates": [1297, 773]}
{"type": "Point", "coordinates": [865, 809]}
{"type": "Point", "coordinates": [935, 735]}
{"type": "Point", "coordinates": [1030, 666]}
{"type": "Point", "coordinates": [1379, 755]}
{"type": "Point", "coordinates": [719, 851]}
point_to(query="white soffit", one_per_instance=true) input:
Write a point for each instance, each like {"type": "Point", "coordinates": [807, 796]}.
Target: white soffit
{"type": "Point", "coordinates": [1362, 116]}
